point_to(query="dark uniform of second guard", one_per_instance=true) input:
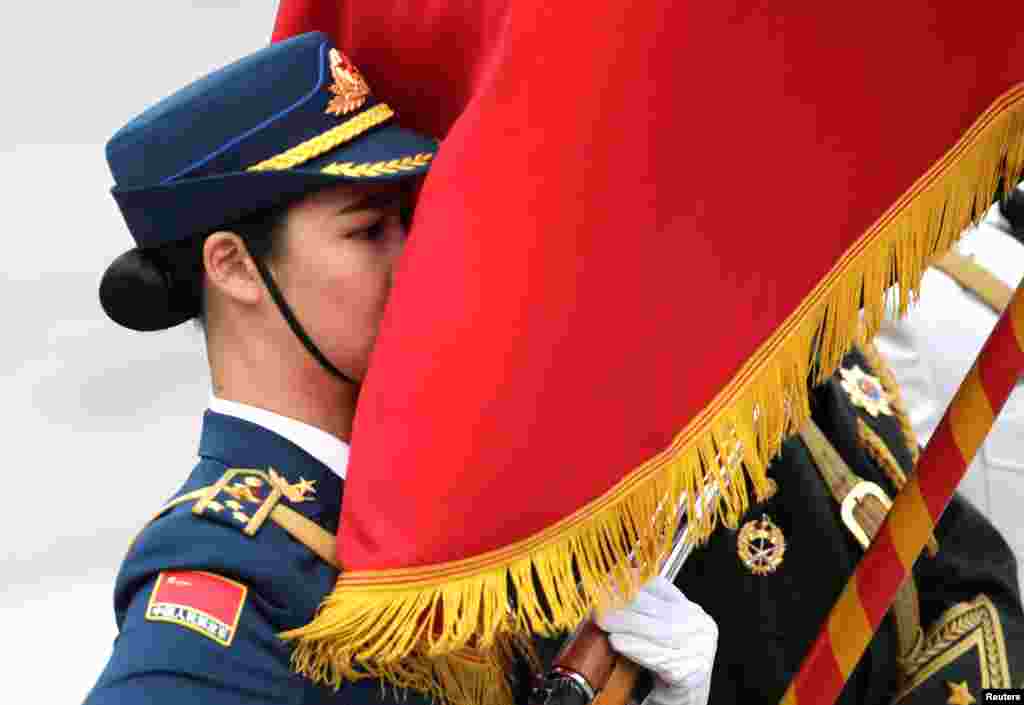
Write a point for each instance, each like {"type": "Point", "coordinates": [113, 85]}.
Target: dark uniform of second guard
{"type": "Point", "coordinates": [970, 602]}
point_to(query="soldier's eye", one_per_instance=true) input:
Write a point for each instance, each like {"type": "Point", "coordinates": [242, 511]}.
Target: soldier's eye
{"type": "Point", "coordinates": [373, 231]}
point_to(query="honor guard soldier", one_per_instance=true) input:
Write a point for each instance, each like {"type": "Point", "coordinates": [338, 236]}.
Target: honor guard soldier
{"type": "Point", "coordinates": [266, 200]}
{"type": "Point", "coordinates": [956, 627]}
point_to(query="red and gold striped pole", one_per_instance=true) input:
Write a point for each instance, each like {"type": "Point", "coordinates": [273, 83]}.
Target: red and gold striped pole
{"type": "Point", "coordinates": [888, 562]}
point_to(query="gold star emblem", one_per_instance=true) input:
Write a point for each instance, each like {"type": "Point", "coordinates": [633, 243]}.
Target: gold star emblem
{"type": "Point", "coordinates": [865, 391]}
{"type": "Point", "coordinates": [294, 493]}
{"type": "Point", "coordinates": [959, 694]}
{"type": "Point", "coordinates": [303, 486]}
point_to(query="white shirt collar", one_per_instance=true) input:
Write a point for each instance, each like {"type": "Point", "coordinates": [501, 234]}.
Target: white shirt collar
{"type": "Point", "coordinates": [329, 450]}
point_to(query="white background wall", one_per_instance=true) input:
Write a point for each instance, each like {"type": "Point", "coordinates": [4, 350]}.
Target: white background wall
{"type": "Point", "coordinates": [101, 422]}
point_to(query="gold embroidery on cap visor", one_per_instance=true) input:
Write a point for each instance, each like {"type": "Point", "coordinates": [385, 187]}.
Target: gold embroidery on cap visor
{"type": "Point", "coordinates": [385, 168]}
{"type": "Point", "coordinates": [325, 142]}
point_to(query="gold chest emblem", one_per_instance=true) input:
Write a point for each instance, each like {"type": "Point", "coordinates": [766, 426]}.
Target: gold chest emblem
{"type": "Point", "coordinates": [761, 545]}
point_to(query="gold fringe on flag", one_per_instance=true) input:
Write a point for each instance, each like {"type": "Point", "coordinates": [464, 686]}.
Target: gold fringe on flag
{"type": "Point", "coordinates": [409, 626]}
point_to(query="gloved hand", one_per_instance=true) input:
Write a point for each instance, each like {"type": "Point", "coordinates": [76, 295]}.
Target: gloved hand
{"type": "Point", "coordinates": [670, 636]}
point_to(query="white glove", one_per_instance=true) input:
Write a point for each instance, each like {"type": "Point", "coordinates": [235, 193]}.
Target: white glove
{"type": "Point", "coordinates": [670, 636]}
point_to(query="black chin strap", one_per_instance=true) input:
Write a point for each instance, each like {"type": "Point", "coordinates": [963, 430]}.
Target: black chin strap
{"type": "Point", "coordinates": [294, 324]}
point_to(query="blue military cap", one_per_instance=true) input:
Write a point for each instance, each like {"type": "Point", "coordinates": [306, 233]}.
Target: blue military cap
{"type": "Point", "coordinates": [268, 128]}
{"type": "Point", "coordinates": [291, 118]}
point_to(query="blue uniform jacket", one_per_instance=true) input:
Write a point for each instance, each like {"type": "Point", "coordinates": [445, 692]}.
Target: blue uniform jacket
{"type": "Point", "coordinates": [199, 603]}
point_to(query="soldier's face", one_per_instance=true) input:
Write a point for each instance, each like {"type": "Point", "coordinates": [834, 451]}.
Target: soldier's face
{"type": "Point", "coordinates": [340, 249]}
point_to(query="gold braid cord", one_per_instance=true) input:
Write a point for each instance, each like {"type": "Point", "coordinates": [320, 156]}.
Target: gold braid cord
{"type": "Point", "coordinates": [881, 454]}
{"type": "Point", "coordinates": [370, 169]}
{"type": "Point", "coordinates": [325, 142]}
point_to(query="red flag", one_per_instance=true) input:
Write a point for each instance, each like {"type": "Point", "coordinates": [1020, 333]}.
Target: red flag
{"type": "Point", "coordinates": [643, 225]}
{"type": "Point", "coordinates": [203, 602]}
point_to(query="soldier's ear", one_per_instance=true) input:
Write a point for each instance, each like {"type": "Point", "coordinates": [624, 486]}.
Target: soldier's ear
{"type": "Point", "coordinates": [230, 270]}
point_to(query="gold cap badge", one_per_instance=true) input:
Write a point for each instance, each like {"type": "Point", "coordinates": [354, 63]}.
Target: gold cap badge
{"type": "Point", "coordinates": [349, 88]}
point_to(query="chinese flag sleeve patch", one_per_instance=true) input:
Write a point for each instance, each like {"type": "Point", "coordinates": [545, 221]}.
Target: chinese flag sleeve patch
{"type": "Point", "coordinates": [203, 602]}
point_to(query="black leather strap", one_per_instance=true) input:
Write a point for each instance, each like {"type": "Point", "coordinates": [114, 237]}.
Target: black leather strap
{"type": "Point", "coordinates": [294, 324]}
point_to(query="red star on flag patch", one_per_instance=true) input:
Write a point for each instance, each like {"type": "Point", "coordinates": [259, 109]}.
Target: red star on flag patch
{"type": "Point", "coordinates": [203, 602]}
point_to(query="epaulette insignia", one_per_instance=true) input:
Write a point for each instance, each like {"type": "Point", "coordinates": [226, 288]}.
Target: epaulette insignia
{"type": "Point", "coordinates": [245, 497]}
{"type": "Point", "coordinates": [865, 391]}
{"type": "Point", "coordinates": [293, 493]}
